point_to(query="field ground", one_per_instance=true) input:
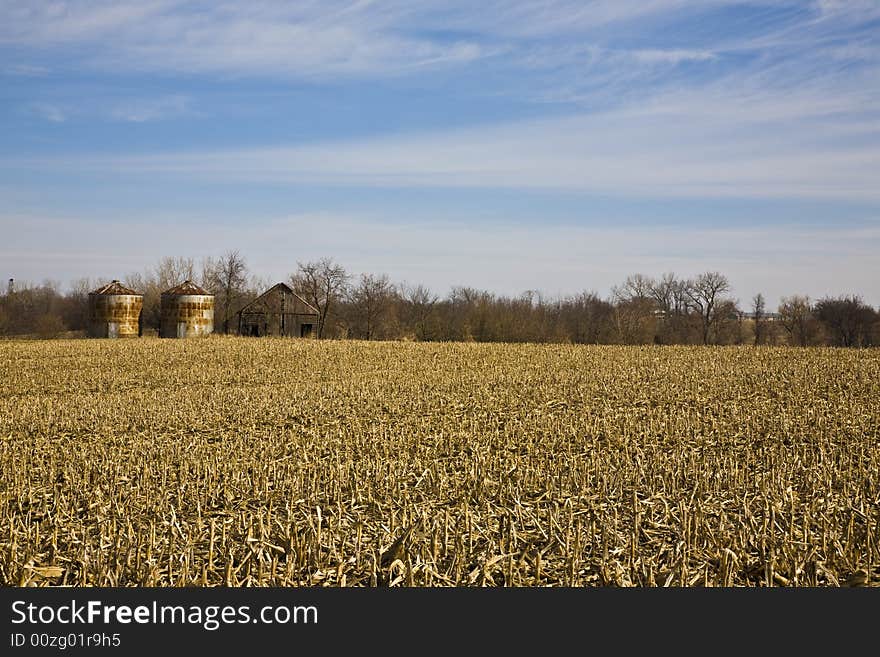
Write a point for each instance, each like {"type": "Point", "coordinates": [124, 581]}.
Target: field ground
{"type": "Point", "coordinates": [235, 461]}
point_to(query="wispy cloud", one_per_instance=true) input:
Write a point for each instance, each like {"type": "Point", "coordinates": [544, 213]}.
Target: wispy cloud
{"type": "Point", "coordinates": [673, 56]}
{"type": "Point", "coordinates": [353, 37]}
{"type": "Point", "coordinates": [558, 18]}
{"type": "Point", "coordinates": [753, 113]}
{"type": "Point", "coordinates": [268, 38]}
{"type": "Point", "coordinates": [24, 70]}
{"type": "Point", "coordinates": [593, 53]}
{"type": "Point", "coordinates": [860, 9]}
{"type": "Point", "coordinates": [132, 110]}
{"type": "Point", "coordinates": [626, 99]}
{"type": "Point", "coordinates": [151, 109]}
{"type": "Point", "coordinates": [727, 143]}
{"type": "Point", "coordinates": [48, 111]}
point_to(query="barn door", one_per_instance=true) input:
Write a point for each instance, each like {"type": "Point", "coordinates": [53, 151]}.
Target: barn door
{"type": "Point", "coordinates": [112, 330]}
{"type": "Point", "coordinates": [181, 329]}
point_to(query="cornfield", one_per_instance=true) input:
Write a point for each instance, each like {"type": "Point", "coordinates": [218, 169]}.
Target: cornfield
{"type": "Point", "coordinates": [273, 462]}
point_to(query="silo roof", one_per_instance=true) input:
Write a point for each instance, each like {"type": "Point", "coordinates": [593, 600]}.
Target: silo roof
{"type": "Point", "coordinates": [114, 287]}
{"type": "Point", "coordinates": [186, 288]}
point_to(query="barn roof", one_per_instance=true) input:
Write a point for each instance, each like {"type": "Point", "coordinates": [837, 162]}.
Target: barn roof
{"type": "Point", "coordinates": [114, 287]}
{"type": "Point", "coordinates": [284, 287]}
{"type": "Point", "coordinates": [185, 288]}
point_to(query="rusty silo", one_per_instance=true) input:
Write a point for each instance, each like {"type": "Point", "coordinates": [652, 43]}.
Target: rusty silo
{"type": "Point", "coordinates": [115, 312]}
{"type": "Point", "coordinates": [187, 311]}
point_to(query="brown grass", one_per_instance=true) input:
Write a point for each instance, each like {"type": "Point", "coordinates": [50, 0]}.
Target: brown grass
{"type": "Point", "coordinates": [271, 462]}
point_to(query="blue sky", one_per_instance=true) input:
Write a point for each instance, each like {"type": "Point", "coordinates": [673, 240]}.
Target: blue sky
{"type": "Point", "coordinates": [509, 146]}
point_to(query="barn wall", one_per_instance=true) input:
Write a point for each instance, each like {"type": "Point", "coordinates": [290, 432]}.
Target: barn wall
{"type": "Point", "coordinates": [265, 315]}
{"type": "Point", "coordinates": [269, 324]}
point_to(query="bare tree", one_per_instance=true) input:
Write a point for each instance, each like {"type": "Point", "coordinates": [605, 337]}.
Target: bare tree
{"type": "Point", "coordinates": [759, 316]}
{"type": "Point", "coordinates": [670, 295]}
{"type": "Point", "coordinates": [706, 294]}
{"type": "Point", "coordinates": [48, 326]}
{"type": "Point", "coordinates": [136, 281]}
{"type": "Point", "coordinates": [146, 285]}
{"type": "Point", "coordinates": [663, 292]}
{"type": "Point", "coordinates": [417, 307]}
{"type": "Point", "coordinates": [227, 277]}
{"type": "Point", "coordinates": [796, 317]}
{"type": "Point", "coordinates": [169, 271]}
{"type": "Point", "coordinates": [848, 320]}
{"type": "Point", "coordinates": [371, 301]}
{"type": "Point", "coordinates": [635, 287]}
{"type": "Point", "coordinates": [472, 314]}
{"type": "Point", "coordinates": [75, 309]}
{"type": "Point", "coordinates": [33, 309]}
{"type": "Point", "coordinates": [321, 283]}
{"type": "Point", "coordinates": [729, 327]}
{"type": "Point", "coordinates": [174, 270]}
{"type": "Point", "coordinates": [587, 319]}
{"type": "Point", "coordinates": [634, 310]}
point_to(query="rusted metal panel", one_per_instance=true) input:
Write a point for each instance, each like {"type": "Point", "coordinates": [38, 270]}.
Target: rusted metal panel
{"type": "Point", "coordinates": [114, 311]}
{"type": "Point", "coordinates": [186, 311]}
{"type": "Point", "coordinates": [114, 287]}
{"type": "Point", "coordinates": [188, 288]}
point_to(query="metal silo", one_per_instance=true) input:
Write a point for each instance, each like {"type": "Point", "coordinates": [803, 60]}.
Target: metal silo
{"type": "Point", "coordinates": [186, 311]}
{"type": "Point", "coordinates": [115, 312]}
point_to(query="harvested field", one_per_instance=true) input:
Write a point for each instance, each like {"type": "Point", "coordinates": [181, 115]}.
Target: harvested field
{"type": "Point", "coordinates": [278, 462]}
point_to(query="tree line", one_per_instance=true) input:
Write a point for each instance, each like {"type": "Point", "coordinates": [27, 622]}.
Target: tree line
{"type": "Point", "coordinates": [641, 310]}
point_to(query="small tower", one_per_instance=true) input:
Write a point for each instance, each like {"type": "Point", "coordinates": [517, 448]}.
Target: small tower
{"type": "Point", "coordinates": [10, 287]}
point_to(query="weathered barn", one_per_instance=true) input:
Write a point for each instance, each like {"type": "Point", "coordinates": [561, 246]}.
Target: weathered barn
{"type": "Point", "coordinates": [114, 312]}
{"type": "Point", "coordinates": [278, 311]}
{"type": "Point", "coordinates": [186, 311]}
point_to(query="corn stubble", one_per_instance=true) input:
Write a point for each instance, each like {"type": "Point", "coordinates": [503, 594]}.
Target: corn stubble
{"type": "Point", "coordinates": [267, 462]}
